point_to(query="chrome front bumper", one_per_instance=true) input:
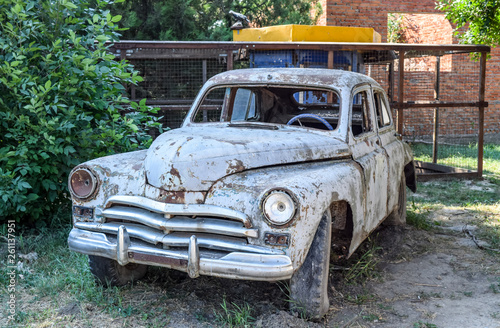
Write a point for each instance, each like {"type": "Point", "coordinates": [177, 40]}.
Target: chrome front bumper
{"type": "Point", "coordinates": [235, 265]}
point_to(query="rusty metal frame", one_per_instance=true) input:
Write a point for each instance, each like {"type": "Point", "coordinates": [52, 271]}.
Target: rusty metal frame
{"type": "Point", "coordinates": [125, 49]}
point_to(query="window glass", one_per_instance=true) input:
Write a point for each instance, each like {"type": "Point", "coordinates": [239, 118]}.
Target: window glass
{"type": "Point", "coordinates": [383, 117]}
{"type": "Point", "coordinates": [317, 97]}
{"type": "Point", "coordinates": [244, 106]}
{"type": "Point", "coordinates": [275, 105]}
{"type": "Point", "coordinates": [360, 121]}
{"type": "Point", "coordinates": [210, 109]}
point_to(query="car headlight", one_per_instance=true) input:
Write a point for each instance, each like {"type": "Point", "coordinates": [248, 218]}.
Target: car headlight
{"type": "Point", "coordinates": [279, 207]}
{"type": "Point", "coordinates": [82, 183]}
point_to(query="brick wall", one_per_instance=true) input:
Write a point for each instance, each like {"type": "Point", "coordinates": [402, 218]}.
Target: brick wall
{"type": "Point", "coordinates": [424, 24]}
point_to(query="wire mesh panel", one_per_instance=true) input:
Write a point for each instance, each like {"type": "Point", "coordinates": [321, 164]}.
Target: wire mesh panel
{"type": "Point", "coordinates": [173, 77]}
{"type": "Point", "coordinates": [436, 89]}
{"type": "Point", "coordinates": [457, 136]}
{"type": "Point", "coordinates": [442, 135]}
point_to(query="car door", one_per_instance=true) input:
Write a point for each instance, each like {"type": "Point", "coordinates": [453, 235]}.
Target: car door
{"type": "Point", "coordinates": [391, 143]}
{"type": "Point", "coordinates": [368, 153]}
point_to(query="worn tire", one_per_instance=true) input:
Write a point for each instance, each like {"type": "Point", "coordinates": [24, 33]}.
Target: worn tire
{"type": "Point", "coordinates": [109, 273]}
{"type": "Point", "coordinates": [398, 216]}
{"type": "Point", "coordinates": [309, 284]}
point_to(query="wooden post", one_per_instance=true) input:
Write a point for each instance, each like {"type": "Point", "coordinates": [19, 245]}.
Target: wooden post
{"type": "Point", "coordinates": [330, 59]}
{"type": "Point", "coordinates": [435, 135]}
{"type": "Point", "coordinates": [401, 84]}
{"type": "Point", "coordinates": [330, 66]}
{"type": "Point", "coordinates": [480, 142]}
{"type": "Point", "coordinates": [230, 62]}
{"type": "Point", "coordinates": [204, 70]}
{"type": "Point", "coordinates": [391, 82]}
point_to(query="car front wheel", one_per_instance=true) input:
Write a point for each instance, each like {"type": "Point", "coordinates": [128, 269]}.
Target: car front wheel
{"type": "Point", "coordinates": [109, 273]}
{"type": "Point", "coordinates": [309, 285]}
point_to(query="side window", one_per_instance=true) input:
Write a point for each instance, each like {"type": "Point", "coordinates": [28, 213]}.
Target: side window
{"type": "Point", "coordinates": [383, 116]}
{"type": "Point", "coordinates": [244, 107]}
{"type": "Point", "coordinates": [210, 110]}
{"type": "Point", "coordinates": [360, 121]}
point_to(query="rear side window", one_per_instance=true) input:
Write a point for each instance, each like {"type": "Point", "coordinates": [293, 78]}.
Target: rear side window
{"type": "Point", "coordinates": [383, 115]}
{"type": "Point", "coordinates": [360, 120]}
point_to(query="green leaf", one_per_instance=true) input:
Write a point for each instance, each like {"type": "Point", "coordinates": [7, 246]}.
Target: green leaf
{"type": "Point", "coordinates": [116, 18]}
{"type": "Point", "coordinates": [24, 185]}
{"type": "Point", "coordinates": [32, 197]}
{"type": "Point", "coordinates": [102, 38]}
{"type": "Point", "coordinates": [69, 5]}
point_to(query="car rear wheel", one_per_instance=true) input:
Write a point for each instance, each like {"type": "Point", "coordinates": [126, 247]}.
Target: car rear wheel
{"type": "Point", "coordinates": [309, 285]}
{"type": "Point", "coordinates": [109, 273]}
{"type": "Point", "coordinates": [398, 216]}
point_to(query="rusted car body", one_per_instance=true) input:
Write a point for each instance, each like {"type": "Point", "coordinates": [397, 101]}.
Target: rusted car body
{"type": "Point", "coordinates": [240, 190]}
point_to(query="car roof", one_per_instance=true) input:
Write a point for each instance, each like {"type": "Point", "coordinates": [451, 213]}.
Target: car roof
{"type": "Point", "coordinates": [320, 77]}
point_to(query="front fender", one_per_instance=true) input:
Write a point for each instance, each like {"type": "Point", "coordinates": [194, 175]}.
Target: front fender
{"type": "Point", "coordinates": [314, 185]}
{"type": "Point", "coordinates": [121, 174]}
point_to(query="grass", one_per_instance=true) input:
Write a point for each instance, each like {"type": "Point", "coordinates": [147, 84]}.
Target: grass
{"type": "Point", "coordinates": [421, 324]}
{"type": "Point", "coordinates": [234, 315]}
{"type": "Point", "coordinates": [481, 198]}
{"type": "Point", "coordinates": [364, 268]}
{"type": "Point", "coordinates": [58, 277]}
{"type": "Point", "coordinates": [462, 156]}
{"type": "Point", "coordinates": [495, 287]}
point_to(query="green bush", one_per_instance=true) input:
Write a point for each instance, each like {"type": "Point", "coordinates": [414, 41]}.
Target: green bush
{"type": "Point", "coordinates": [61, 101]}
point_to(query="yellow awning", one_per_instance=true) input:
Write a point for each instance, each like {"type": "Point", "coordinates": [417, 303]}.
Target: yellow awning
{"type": "Point", "coordinates": [307, 33]}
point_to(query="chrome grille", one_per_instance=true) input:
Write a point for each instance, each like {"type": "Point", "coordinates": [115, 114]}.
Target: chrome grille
{"type": "Point", "coordinates": [171, 225]}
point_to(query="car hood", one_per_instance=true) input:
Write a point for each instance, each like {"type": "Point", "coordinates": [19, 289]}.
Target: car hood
{"type": "Point", "coordinates": [193, 158]}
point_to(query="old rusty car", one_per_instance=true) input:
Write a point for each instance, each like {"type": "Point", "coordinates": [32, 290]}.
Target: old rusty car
{"type": "Point", "coordinates": [270, 168]}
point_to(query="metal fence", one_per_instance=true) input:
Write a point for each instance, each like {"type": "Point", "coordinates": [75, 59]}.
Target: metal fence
{"type": "Point", "coordinates": [436, 91]}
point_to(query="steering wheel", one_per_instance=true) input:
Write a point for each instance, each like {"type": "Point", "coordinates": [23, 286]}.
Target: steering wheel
{"type": "Point", "coordinates": [316, 117]}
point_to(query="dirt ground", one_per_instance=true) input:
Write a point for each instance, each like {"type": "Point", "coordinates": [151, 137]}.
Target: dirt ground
{"type": "Point", "coordinates": [435, 278]}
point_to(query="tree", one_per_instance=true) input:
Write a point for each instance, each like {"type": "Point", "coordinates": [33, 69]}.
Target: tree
{"type": "Point", "coordinates": [477, 21]}
{"type": "Point", "coordinates": [207, 19]}
{"type": "Point", "coordinates": [61, 101]}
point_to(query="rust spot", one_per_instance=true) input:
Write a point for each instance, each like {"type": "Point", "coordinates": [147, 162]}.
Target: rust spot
{"type": "Point", "coordinates": [181, 197]}
{"type": "Point", "coordinates": [339, 213]}
{"type": "Point", "coordinates": [173, 197]}
{"type": "Point", "coordinates": [234, 166]}
{"type": "Point", "coordinates": [175, 173]}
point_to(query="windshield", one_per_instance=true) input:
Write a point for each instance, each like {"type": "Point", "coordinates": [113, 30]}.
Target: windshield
{"type": "Point", "coordinates": [275, 105]}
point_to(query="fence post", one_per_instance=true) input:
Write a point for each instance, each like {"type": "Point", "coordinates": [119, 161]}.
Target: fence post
{"type": "Point", "coordinates": [401, 84]}
{"type": "Point", "coordinates": [480, 142]}
{"type": "Point", "coordinates": [435, 136]}
{"type": "Point", "coordinates": [230, 61]}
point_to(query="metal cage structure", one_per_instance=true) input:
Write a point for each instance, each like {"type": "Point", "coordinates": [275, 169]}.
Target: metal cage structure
{"type": "Point", "coordinates": [437, 92]}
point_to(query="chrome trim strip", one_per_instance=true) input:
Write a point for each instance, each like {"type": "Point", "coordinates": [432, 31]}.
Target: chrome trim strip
{"type": "Point", "coordinates": [237, 265]}
{"type": "Point", "coordinates": [179, 209]}
{"type": "Point", "coordinates": [123, 244]}
{"type": "Point", "coordinates": [177, 239]}
{"type": "Point", "coordinates": [182, 223]}
{"type": "Point", "coordinates": [193, 267]}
